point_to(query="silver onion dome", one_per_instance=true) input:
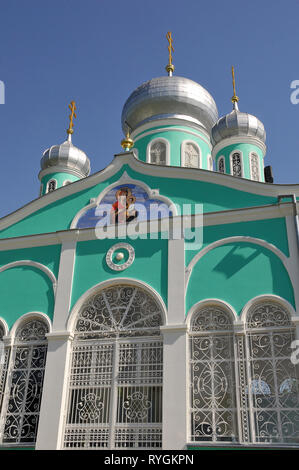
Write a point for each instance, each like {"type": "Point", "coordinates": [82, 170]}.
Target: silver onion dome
{"type": "Point", "coordinates": [169, 97]}
{"type": "Point", "coordinates": [67, 157]}
{"type": "Point", "coordinates": [237, 123]}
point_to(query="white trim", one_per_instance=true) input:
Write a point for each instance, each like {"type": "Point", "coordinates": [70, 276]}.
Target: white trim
{"type": "Point", "coordinates": [128, 158]}
{"type": "Point", "coordinates": [33, 264]}
{"type": "Point", "coordinates": [210, 162]}
{"type": "Point", "coordinates": [183, 160]}
{"type": "Point", "coordinates": [66, 182]}
{"type": "Point", "coordinates": [112, 282]}
{"type": "Point", "coordinates": [258, 163]}
{"type": "Point", "coordinates": [5, 326]}
{"type": "Point", "coordinates": [222, 157]}
{"type": "Point", "coordinates": [236, 239]}
{"type": "Point", "coordinates": [266, 298]}
{"type": "Point", "coordinates": [124, 179]}
{"type": "Point", "coordinates": [27, 317]}
{"type": "Point", "coordinates": [155, 141]}
{"type": "Point", "coordinates": [241, 162]}
{"type": "Point", "coordinates": [240, 139]}
{"type": "Point", "coordinates": [211, 302]}
{"type": "Point", "coordinates": [59, 169]}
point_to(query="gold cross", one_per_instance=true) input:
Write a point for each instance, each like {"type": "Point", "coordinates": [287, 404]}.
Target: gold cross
{"type": "Point", "coordinates": [235, 98]}
{"type": "Point", "coordinates": [73, 115]}
{"type": "Point", "coordinates": [170, 47]}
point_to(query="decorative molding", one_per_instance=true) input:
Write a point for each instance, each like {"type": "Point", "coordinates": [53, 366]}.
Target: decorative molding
{"type": "Point", "coordinates": [27, 317]}
{"type": "Point", "coordinates": [33, 264]}
{"type": "Point", "coordinates": [168, 172]}
{"type": "Point", "coordinates": [209, 303]}
{"type": "Point", "coordinates": [113, 282]}
{"type": "Point", "coordinates": [126, 264]}
{"type": "Point", "coordinates": [183, 160]}
{"type": "Point", "coordinates": [266, 298]}
{"type": "Point", "coordinates": [239, 139]}
{"type": "Point", "coordinates": [167, 150]}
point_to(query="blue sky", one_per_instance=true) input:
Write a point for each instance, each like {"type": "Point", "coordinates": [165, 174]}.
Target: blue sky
{"type": "Point", "coordinates": [98, 51]}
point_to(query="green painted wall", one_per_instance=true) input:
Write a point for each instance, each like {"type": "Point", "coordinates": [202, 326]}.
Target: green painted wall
{"type": "Point", "coordinates": [175, 139]}
{"type": "Point", "coordinates": [236, 273]}
{"type": "Point", "coordinates": [26, 289]}
{"type": "Point", "coordinates": [58, 215]}
{"type": "Point", "coordinates": [60, 177]}
{"type": "Point", "coordinates": [245, 149]}
{"type": "Point", "coordinates": [272, 231]}
{"type": "Point", "coordinates": [150, 265]}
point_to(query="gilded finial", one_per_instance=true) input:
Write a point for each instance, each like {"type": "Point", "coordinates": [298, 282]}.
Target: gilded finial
{"type": "Point", "coordinates": [73, 115]}
{"type": "Point", "coordinates": [169, 67]}
{"type": "Point", "coordinates": [235, 98]}
{"type": "Point", "coordinates": [127, 143]}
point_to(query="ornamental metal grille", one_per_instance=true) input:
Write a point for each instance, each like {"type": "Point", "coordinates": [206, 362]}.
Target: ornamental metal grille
{"type": "Point", "coordinates": [191, 155]}
{"type": "Point", "coordinates": [158, 153]}
{"type": "Point", "coordinates": [236, 164]}
{"type": "Point", "coordinates": [221, 165]}
{"type": "Point", "coordinates": [213, 409]}
{"type": "Point", "coordinates": [24, 384]}
{"type": "Point", "coordinates": [254, 167]}
{"type": "Point", "coordinates": [274, 381]}
{"type": "Point", "coordinates": [115, 383]}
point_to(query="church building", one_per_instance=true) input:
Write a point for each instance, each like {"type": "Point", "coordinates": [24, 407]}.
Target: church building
{"type": "Point", "coordinates": [154, 304]}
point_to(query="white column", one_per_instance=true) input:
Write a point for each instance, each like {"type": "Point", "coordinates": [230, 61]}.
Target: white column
{"type": "Point", "coordinates": [54, 390]}
{"type": "Point", "coordinates": [293, 260]}
{"type": "Point", "coordinates": [175, 389]}
{"type": "Point", "coordinates": [175, 353]}
{"type": "Point", "coordinates": [59, 345]}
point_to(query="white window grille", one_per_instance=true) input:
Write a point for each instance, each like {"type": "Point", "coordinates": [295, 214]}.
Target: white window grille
{"type": "Point", "coordinates": [191, 156]}
{"type": "Point", "coordinates": [273, 390]}
{"type": "Point", "coordinates": [158, 152]}
{"type": "Point", "coordinates": [212, 406]}
{"type": "Point", "coordinates": [236, 164]}
{"type": "Point", "coordinates": [254, 167]}
{"type": "Point", "coordinates": [4, 358]}
{"type": "Point", "coordinates": [115, 383]}
{"type": "Point", "coordinates": [21, 403]}
{"type": "Point", "coordinates": [52, 186]}
{"type": "Point", "coordinates": [221, 165]}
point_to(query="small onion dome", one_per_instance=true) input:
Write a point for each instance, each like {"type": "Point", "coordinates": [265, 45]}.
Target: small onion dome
{"type": "Point", "coordinates": [169, 97]}
{"type": "Point", "coordinates": [238, 124]}
{"type": "Point", "coordinates": [67, 157]}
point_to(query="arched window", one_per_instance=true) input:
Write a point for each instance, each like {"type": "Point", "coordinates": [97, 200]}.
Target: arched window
{"type": "Point", "coordinates": [210, 162]}
{"type": "Point", "coordinates": [236, 164]}
{"type": "Point", "coordinates": [274, 380]}
{"type": "Point", "coordinates": [115, 382]}
{"type": "Point", "coordinates": [221, 165]}
{"type": "Point", "coordinates": [190, 155]}
{"type": "Point", "coordinates": [66, 182]}
{"type": "Point", "coordinates": [254, 166]}
{"type": "Point", "coordinates": [158, 152]}
{"type": "Point", "coordinates": [24, 387]}
{"type": "Point", "coordinates": [212, 402]}
{"type": "Point", "coordinates": [52, 184]}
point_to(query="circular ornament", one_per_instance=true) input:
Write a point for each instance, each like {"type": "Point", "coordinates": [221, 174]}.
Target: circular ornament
{"type": "Point", "coordinates": [120, 256]}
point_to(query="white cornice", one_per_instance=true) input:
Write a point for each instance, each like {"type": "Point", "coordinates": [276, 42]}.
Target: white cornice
{"type": "Point", "coordinates": [239, 139]}
{"type": "Point", "coordinates": [167, 172]}
{"type": "Point", "coordinates": [209, 219]}
{"type": "Point", "coordinates": [59, 169]}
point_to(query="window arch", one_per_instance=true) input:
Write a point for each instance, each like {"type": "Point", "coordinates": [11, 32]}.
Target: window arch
{"type": "Point", "coordinates": [236, 167]}
{"type": "Point", "coordinates": [24, 388]}
{"type": "Point", "coordinates": [221, 164]}
{"type": "Point", "coordinates": [190, 155]}
{"type": "Point", "coordinates": [254, 166]}
{"type": "Point", "coordinates": [4, 358]}
{"type": "Point", "coordinates": [213, 412]}
{"type": "Point", "coordinates": [158, 152]}
{"type": "Point", "coordinates": [51, 186]}
{"type": "Point", "coordinates": [115, 381]}
{"type": "Point", "coordinates": [274, 380]}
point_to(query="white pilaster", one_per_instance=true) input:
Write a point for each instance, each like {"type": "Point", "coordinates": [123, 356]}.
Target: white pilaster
{"type": "Point", "coordinates": [175, 387]}
{"type": "Point", "coordinates": [54, 390]}
{"type": "Point", "coordinates": [293, 260]}
{"type": "Point", "coordinates": [176, 282]}
{"type": "Point", "coordinates": [59, 344]}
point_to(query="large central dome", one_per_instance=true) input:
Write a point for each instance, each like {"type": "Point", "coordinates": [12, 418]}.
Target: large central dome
{"type": "Point", "coordinates": [170, 97]}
